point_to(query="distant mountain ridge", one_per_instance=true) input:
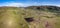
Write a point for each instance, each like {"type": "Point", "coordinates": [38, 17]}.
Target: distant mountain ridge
{"type": "Point", "coordinates": [45, 8]}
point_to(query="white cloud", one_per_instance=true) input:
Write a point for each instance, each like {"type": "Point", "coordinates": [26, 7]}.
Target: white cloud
{"type": "Point", "coordinates": [18, 4]}
{"type": "Point", "coordinates": [51, 4]}
{"type": "Point", "coordinates": [14, 4]}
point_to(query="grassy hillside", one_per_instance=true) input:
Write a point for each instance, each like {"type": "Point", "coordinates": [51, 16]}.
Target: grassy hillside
{"type": "Point", "coordinates": [13, 17]}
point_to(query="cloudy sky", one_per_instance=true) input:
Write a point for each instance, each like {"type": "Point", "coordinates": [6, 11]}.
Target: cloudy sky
{"type": "Point", "coordinates": [24, 3]}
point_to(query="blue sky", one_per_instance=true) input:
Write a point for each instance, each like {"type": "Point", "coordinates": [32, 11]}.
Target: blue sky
{"type": "Point", "coordinates": [25, 3]}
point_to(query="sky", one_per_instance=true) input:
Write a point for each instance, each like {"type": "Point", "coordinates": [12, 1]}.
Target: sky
{"type": "Point", "coordinates": [24, 3]}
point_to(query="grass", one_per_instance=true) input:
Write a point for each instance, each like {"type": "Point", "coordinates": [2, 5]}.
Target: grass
{"type": "Point", "coordinates": [14, 18]}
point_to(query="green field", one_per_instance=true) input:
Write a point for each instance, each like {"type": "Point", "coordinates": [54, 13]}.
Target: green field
{"type": "Point", "coordinates": [13, 17]}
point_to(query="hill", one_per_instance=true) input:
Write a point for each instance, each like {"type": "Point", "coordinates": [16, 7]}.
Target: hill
{"type": "Point", "coordinates": [30, 17]}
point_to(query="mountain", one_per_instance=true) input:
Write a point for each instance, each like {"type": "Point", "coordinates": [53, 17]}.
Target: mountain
{"type": "Point", "coordinates": [53, 9]}
{"type": "Point", "coordinates": [50, 8]}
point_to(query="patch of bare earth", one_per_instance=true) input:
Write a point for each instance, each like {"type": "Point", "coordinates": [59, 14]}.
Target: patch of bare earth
{"type": "Point", "coordinates": [43, 20]}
